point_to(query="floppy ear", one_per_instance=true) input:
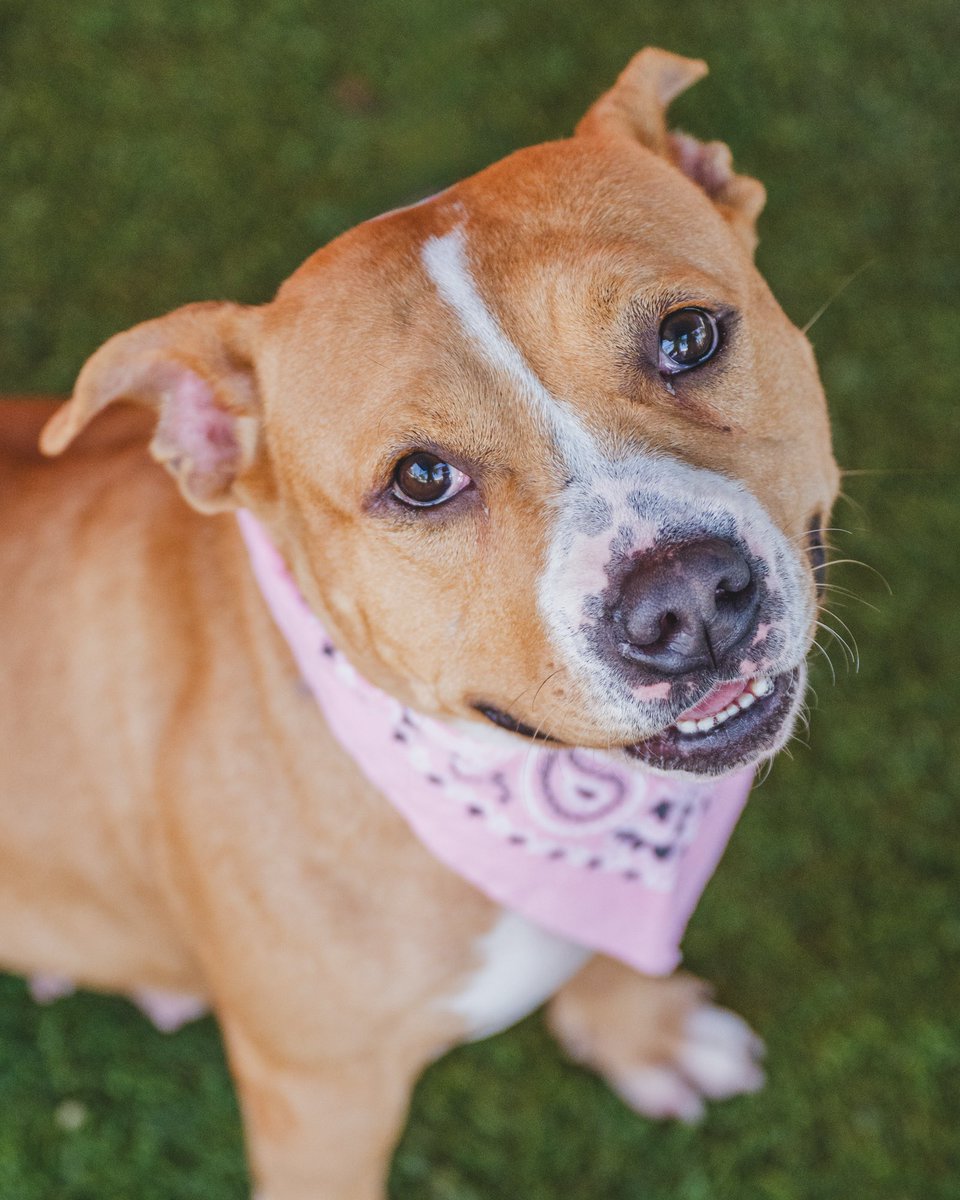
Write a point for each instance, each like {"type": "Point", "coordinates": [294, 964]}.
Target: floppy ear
{"type": "Point", "coordinates": [194, 368]}
{"type": "Point", "coordinates": [636, 108]}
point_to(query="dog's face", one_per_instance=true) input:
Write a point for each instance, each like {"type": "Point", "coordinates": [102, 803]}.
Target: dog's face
{"type": "Point", "coordinates": [543, 450]}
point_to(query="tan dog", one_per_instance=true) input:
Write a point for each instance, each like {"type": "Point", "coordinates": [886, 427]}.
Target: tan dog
{"type": "Point", "coordinates": [422, 419]}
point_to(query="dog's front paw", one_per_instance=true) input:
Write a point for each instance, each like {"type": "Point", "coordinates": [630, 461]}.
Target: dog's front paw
{"type": "Point", "coordinates": [659, 1043]}
{"type": "Point", "coordinates": [717, 1055]}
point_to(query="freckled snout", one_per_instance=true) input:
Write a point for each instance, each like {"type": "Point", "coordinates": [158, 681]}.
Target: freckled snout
{"type": "Point", "coordinates": [684, 608]}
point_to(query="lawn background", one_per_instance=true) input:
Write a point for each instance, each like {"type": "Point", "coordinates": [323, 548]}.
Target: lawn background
{"type": "Point", "coordinates": [163, 151]}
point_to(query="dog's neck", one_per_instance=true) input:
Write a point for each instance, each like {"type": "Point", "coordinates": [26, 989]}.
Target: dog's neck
{"type": "Point", "coordinates": [578, 841]}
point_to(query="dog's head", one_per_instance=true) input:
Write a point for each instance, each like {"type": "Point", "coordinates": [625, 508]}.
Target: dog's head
{"type": "Point", "coordinates": [542, 450]}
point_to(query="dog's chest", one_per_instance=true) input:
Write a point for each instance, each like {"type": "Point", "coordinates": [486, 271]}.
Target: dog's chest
{"type": "Point", "coordinates": [520, 966]}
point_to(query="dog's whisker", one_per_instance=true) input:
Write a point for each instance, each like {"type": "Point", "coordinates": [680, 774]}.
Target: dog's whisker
{"type": "Point", "coordinates": [896, 471]}
{"type": "Point", "coordinates": [856, 562]}
{"type": "Point", "coordinates": [853, 638]}
{"type": "Point", "coordinates": [805, 329]}
{"type": "Point", "coordinates": [523, 691]}
{"type": "Point", "coordinates": [553, 675]}
{"type": "Point", "coordinates": [854, 647]}
{"type": "Point", "coordinates": [763, 773]}
{"type": "Point", "coordinates": [850, 654]}
{"type": "Point", "coordinates": [833, 673]}
{"type": "Point", "coordinates": [854, 504]}
{"type": "Point", "coordinates": [844, 646]}
{"type": "Point", "coordinates": [842, 591]}
{"type": "Point", "coordinates": [799, 739]}
{"type": "Point", "coordinates": [801, 539]}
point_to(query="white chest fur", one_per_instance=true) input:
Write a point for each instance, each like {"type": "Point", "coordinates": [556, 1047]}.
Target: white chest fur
{"type": "Point", "coordinates": [521, 966]}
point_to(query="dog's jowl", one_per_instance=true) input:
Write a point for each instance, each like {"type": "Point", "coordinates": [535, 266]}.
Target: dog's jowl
{"type": "Point", "coordinates": [434, 688]}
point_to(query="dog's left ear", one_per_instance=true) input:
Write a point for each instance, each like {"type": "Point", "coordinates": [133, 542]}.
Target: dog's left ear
{"type": "Point", "coordinates": [636, 108]}
{"type": "Point", "coordinates": [194, 368]}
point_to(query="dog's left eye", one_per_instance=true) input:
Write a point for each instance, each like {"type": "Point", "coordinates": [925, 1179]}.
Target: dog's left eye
{"type": "Point", "coordinates": [688, 337]}
{"type": "Point", "coordinates": [422, 480]}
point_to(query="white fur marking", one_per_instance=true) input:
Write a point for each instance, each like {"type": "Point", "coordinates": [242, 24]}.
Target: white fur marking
{"type": "Point", "coordinates": [659, 1093]}
{"type": "Point", "coordinates": [720, 1053]}
{"type": "Point", "coordinates": [445, 261]}
{"type": "Point", "coordinates": [647, 493]}
{"type": "Point", "coordinates": [522, 966]}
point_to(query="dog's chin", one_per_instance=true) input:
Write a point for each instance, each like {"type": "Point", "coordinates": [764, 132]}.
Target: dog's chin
{"type": "Point", "coordinates": [741, 739]}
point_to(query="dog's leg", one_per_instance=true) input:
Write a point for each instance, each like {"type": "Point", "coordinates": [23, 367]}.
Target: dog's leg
{"type": "Point", "coordinates": [659, 1043]}
{"type": "Point", "coordinates": [322, 1129]}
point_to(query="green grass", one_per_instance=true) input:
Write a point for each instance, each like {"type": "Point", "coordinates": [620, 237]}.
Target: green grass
{"type": "Point", "coordinates": [164, 151]}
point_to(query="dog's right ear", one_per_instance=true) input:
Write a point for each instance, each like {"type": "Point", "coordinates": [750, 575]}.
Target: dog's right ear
{"type": "Point", "coordinates": [194, 368]}
{"type": "Point", "coordinates": [635, 108]}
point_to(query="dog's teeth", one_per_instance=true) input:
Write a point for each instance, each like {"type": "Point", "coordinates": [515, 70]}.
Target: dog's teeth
{"type": "Point", "coordinates": [752, 692]}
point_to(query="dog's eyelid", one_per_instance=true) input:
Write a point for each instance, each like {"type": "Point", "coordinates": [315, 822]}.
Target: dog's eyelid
{"type": "Point", "coordinates": [650, 307]}
{"type": "Point", "coordinates": [471, 461]}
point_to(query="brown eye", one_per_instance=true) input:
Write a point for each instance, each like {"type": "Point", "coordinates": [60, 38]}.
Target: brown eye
{"type": "Point", "coordinates": [688, 337]}
{"type": "Point", "coordinates": [422, 480]}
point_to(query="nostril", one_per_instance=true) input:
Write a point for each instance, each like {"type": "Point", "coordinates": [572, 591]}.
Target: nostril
{"type": "Point", "coordinates": [655, 630]}
{"type": "Point", "coordinates": [736, 589]}
{"type": "Point", "coordinates": [683, 610]}
{"type": "Point", "coordinates": [735, 580]}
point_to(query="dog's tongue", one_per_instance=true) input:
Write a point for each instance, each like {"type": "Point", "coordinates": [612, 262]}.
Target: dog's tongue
{"type": "Point", "coordinates": [715, 700]}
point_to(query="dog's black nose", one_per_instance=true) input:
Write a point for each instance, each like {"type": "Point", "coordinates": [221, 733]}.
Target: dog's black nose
{"type": "Point", "coordinates": [684, 607]}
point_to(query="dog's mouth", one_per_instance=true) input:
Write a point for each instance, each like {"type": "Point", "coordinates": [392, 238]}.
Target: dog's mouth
{"type": "Point", "coordinates": [733, 725]}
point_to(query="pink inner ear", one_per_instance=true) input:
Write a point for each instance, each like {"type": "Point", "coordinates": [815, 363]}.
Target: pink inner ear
{"type": "Point", "coordinates": [196, 439]}
{"type": "Point", "coordinates": [196, 429]}
{"type": "Point", "coordinates": [709, 164]}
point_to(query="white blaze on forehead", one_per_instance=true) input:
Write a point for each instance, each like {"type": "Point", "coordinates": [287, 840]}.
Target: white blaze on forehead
{"type": "Point", "coordinates": [445, 261]}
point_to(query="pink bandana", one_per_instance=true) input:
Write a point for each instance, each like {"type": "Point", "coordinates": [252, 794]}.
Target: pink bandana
{"type": "Point", "coordinates": [577, 841]}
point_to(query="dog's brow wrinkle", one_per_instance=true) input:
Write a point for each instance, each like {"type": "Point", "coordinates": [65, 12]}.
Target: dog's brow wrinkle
{"type": "Point", "coordinates": [445, 261]}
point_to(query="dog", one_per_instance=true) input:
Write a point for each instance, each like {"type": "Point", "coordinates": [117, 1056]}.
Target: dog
{"type": "Point", "coordinates": [539, 469]}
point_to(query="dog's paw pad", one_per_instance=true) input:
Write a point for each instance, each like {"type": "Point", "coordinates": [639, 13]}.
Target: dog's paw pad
{"type": "Point", "coordinates": [718, 1057]}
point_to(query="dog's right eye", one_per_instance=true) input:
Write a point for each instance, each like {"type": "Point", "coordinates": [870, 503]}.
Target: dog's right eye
{"type": "Point", "coordinates": [688, 338]}
{"type": "Point", "coordinates": [422, 480]}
